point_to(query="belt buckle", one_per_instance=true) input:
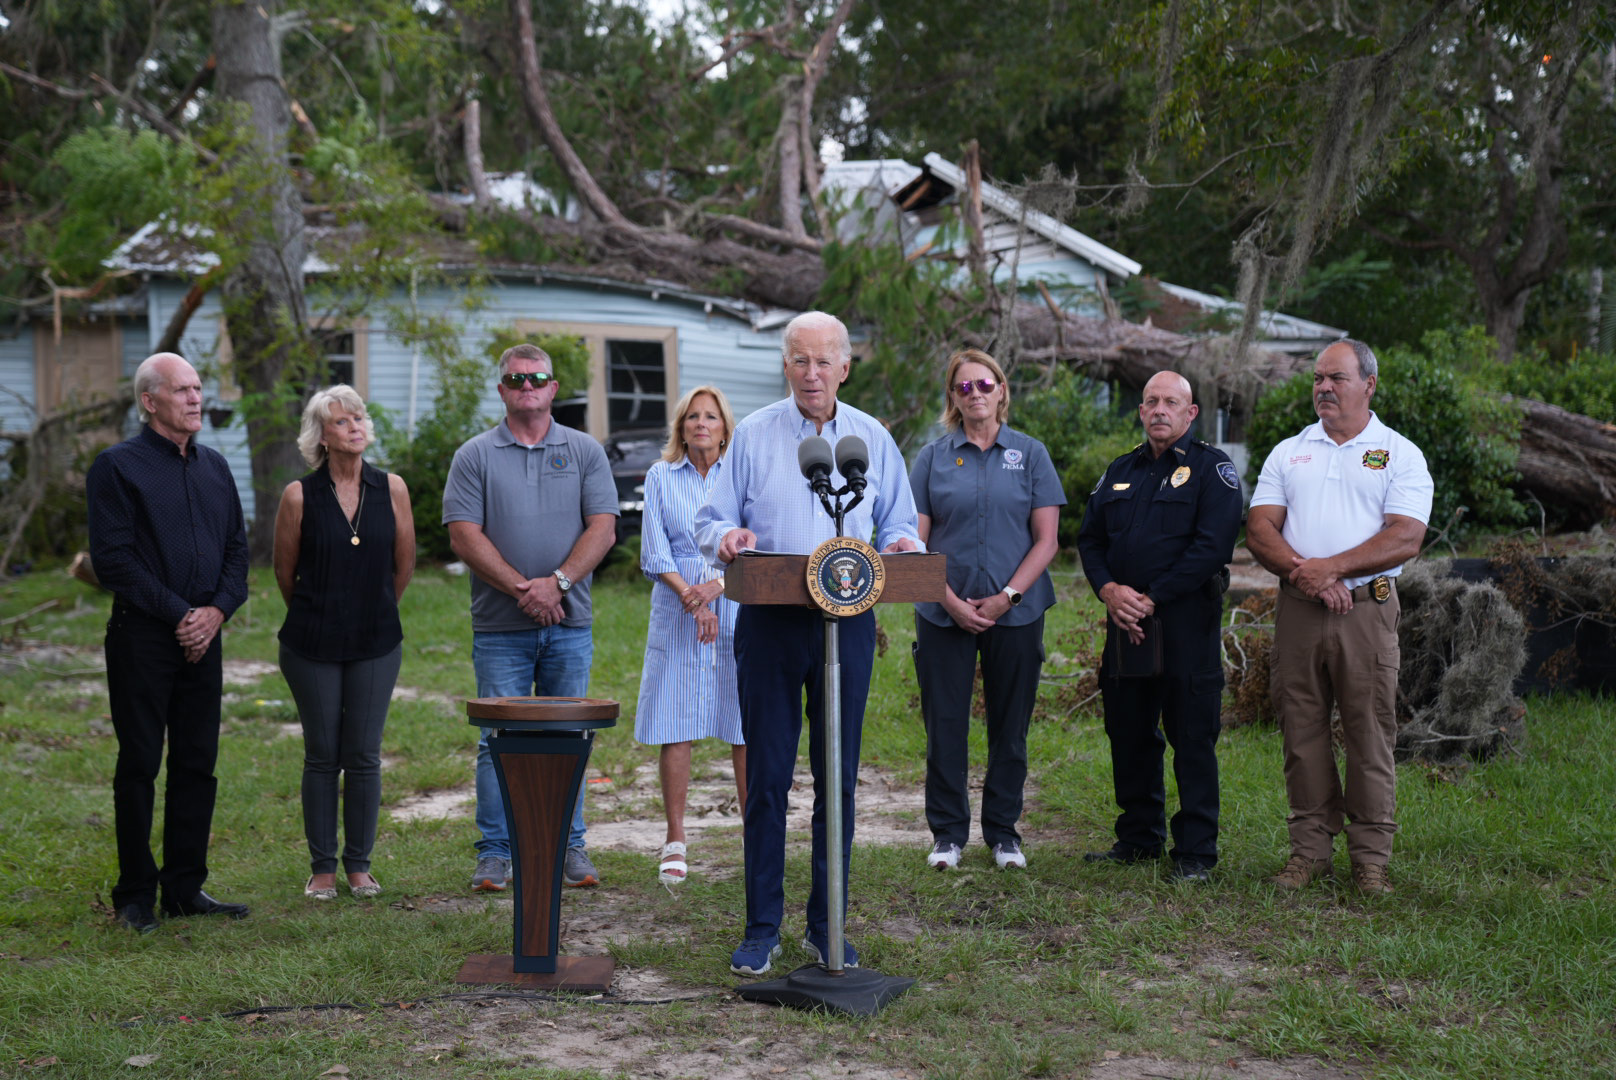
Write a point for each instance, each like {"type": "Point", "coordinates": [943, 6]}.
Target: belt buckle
{"type": "Point", "coordinates": [1381, 589]}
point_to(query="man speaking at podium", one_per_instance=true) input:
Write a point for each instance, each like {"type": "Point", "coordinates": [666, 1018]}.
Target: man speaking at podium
{"type": "Point", "coordinates": [763, 502]}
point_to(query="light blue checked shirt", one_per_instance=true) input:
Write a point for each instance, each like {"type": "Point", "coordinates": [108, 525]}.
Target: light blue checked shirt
{"type": "Point", "coordinates": [762, 489]}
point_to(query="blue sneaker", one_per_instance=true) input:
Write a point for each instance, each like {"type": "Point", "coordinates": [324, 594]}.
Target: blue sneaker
{"type": "Point", "coordinates": [816, 950]}
{"type": "Point", "coordinates": [754, 956]}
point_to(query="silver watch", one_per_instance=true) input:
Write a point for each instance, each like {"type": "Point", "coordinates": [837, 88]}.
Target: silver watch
{"type": "Point", "coordinates": [563, 582]}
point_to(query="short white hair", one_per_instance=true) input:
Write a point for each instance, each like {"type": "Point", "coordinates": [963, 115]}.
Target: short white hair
{"type": "Point", "coordinates": [149, 379]}
{"type": "Point", "coordinates": [817, 320]}
{"type": "Point", "coordinates": [318, 411]}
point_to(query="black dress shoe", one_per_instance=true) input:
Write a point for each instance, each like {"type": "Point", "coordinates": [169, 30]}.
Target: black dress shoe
{"type": "Point", "coordinates": [1120, 854]}
{"type": "Point", "coordinates": [1190, 870]}
{"type": "Point", "coordinates": [203, 904]}
{"type": "Point", "coordinates": [138, 917]}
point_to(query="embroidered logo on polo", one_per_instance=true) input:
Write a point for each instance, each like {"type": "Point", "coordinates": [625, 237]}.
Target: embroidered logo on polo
{"type": "Point", "coordinates": [1227, 474]}
{"type": "Point", "coordinates": [1013, 459]}
{"type": "Point", "coordinates": [559, 461]}
{"type": "Point", "coordinates": [1376, 459]}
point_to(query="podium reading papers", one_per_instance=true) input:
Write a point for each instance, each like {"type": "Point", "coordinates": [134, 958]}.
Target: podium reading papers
{"type": "Point", "coordinates": [539, 752]}
{"type": "Point", "coordinates": [842, 577]}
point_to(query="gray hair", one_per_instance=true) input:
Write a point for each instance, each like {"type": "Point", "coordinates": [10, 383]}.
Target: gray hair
{"type": "Point", "coordinates": [1368, 367]}
{"type": "Point", "coordinates": [318, 411]}
{"type": "Point", "coordinates": [524, 352]}
{"type": "Point", "coordinates": [816, 320]}
{"type": "Point", "coordinates": [149, 379]}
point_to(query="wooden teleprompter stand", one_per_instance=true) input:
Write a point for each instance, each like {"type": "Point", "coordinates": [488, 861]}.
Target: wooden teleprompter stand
{"type": "Point", "coordinates": [540, 750]}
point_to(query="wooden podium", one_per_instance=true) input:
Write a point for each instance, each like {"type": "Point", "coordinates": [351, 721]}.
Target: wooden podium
{"type": "Point", "coordinates": [759, 578]}
{"type": "Point", "coordinates": [540, 751]}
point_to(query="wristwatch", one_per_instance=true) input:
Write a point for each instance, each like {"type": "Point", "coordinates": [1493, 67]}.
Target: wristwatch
{"type": "Point", "coordinates": [563, 582]}
{"type": "Point", "coordinates": [1015, 597]}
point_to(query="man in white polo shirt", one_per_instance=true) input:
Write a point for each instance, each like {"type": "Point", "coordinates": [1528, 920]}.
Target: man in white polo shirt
{"type": "Point", "coordinates": [1337, 511]}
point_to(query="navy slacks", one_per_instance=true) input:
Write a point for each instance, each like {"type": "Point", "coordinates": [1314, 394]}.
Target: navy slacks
{"type": "Point", "coordinates": [779, 656]}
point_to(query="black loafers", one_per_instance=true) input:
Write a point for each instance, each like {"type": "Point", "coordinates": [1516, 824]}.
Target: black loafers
{"type": "Point", "coordinates": [203, 904]}
{"type": "Point", "coordinates": [137, 917]}
{"type": "Point", "coordinates": [1120, 854]}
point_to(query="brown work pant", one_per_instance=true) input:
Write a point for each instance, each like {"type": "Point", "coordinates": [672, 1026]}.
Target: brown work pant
{"type": "Point", "coordinates": [1319, 660]}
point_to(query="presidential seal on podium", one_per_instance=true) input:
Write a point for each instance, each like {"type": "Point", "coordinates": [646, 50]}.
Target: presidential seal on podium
{"type": "Point", "coordinates": [845, 576]}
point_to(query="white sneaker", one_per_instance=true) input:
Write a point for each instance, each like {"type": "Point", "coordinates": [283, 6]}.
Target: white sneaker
{"type": "Point", "coordinates": [943, 856]}
{"type": "Point", "coordinates": [1009, 857]}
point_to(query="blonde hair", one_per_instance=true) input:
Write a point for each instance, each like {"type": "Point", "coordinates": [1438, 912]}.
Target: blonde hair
{"type": "Point", "coordinates": [675, 449]}
{"type": "Point", "coordinates": [318, 411]}
{"type": "Point", "coordinates": [952, 418]}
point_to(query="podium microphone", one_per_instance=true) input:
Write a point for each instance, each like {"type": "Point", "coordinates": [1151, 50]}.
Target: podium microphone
{"type": "Point", "coordinates": [852, 461]}
{"type": "Point", "coordinates": [814, 459]}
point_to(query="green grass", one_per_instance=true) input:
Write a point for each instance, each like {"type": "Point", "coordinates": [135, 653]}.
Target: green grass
{"type": "Point", "coordinates": [1496, 957]}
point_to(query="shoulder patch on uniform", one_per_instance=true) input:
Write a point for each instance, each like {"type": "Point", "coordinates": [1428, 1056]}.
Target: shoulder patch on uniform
{"type": "Point", "coordinates": [1227, 473]}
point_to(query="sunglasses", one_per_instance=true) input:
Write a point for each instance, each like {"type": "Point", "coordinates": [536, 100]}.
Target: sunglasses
{"type": "Point", "coordinates": [987, 386]}
{"type": "Point", "coordinates": [537, 379]}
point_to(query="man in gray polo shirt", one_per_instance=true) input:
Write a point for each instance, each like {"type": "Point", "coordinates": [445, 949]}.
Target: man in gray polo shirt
{"type": "Point", "coordinates": [529, 506]}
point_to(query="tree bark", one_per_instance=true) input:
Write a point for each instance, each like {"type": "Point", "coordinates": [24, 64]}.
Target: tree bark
{"type": "Point", "coordinates": [474, 154]}
{"type": "Point", "coordinates": [1568, 461]}
{"type": "Point", "coordinates": [263, 295]}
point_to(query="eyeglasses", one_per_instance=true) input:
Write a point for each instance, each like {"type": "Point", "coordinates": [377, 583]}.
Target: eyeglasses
{"type": "Point", "coordinates": [987, 386]}
{"type": "Point", "coordinates": [537, 379]}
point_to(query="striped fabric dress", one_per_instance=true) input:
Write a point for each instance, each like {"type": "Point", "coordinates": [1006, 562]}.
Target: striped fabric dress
{"type": "Point", "coordinates": [687, 689]}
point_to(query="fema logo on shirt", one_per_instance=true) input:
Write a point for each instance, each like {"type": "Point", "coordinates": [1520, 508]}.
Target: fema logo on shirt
{"type": "Point", "coordinates": [558, 462]}
{"type": "Point", "coordinates": [1013, 459]}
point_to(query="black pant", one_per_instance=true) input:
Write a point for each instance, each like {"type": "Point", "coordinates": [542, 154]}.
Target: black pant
{"type": "Point", "coordinates": [1188, 699]}
{"type": "Point", "coordinates": [945, 668]}
{"type": "Point", "coordinates": [153, 692]}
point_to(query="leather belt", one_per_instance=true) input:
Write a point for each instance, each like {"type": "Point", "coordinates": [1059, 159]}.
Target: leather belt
{"type": "Point", "coordinates": [1379, 590]}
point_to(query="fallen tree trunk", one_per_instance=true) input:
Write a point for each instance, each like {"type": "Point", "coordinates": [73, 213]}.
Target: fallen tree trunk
{"type": "Point", "coordinates": [1568, 461]}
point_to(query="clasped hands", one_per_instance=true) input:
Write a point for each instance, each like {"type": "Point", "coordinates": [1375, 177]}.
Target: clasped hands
{"type": "Point", "coordinates": [1316, 578]}
{"type": "Point", "coordinates": [697, 601]}
{"type": "Point", "coordinates": [1126, 607]}
{"type": "Point", "coordinates": [196, 631]}
{"type": "Point", "coordinates": [540, 600]}
{"type": "Point", "coordinates": [975, 615]}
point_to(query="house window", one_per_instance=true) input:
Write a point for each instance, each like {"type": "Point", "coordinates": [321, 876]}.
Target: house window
{"type": "Point", "coordinates": [633, 376]}
{"type": "Point", "coordinates": [341, 362]}
{"type": "Point", "coordinates": [344, 346]}
{"type": "Point", "coordinates": [76, 362]}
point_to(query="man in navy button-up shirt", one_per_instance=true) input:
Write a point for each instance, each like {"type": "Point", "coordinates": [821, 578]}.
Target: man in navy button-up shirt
{"type": "Point", "coordinates": [167, 537]}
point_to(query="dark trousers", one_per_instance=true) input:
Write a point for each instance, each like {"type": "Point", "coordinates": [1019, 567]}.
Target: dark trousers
{"type": "Point", "coordinates": [155, 692]}
{"type": "Point", "coordinates": [779, 655]}
{"type": "Point", "coordinates": [945, 668]}
{"type": "Point", "coordinates": [1188, 700]}
{"type": "Point", "coordinates": [343, 708]}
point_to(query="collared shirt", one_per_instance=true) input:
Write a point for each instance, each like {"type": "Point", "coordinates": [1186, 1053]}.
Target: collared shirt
{"type": "Point", "coordinates": [980, 503]}
{"type": "Point", "coordinates": [1163, 526]}
{"type": "Point", "coordinates": [531, 502]}
{"type": "Point", "coordinates": [762, 488]}
{"type": "Point", "coordinates": [166, 529]}
{"type": "Point", "coordinates": [1337, 496]}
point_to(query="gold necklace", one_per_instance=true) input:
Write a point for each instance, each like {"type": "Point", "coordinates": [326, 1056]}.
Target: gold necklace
{"type": "Point", "coordinates": [353, 526]}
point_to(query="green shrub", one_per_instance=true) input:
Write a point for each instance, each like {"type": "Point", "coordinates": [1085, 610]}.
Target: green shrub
{"type": "Point", "coordinates": [1581, 384]}
{"type": "Point", "coordinates": [1082, 436]}
{"type": "Point", "coordinates": [1469, 438]}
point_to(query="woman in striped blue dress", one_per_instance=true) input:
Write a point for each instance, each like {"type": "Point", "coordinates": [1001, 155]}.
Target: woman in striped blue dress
{"type": "Point", "coordinates": [687, 689]}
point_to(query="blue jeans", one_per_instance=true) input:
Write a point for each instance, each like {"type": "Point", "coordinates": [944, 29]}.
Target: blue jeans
{"type": "Point", "coordinates": [547, 661]}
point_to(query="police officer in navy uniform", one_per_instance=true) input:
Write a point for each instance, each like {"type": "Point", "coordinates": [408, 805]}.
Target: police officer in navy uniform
{"type": "Point", "coordinates": [1156, 541]}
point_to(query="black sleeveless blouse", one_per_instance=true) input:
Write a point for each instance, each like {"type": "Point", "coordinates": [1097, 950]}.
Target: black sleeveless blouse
{"type": "Point", "coordinates": [343, 607]}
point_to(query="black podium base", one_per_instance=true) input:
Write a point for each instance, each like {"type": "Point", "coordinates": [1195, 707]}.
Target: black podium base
{"type": "Point", "coordinates": [855, 991]}
{"type": "Point", "coordinates": [581, 973]}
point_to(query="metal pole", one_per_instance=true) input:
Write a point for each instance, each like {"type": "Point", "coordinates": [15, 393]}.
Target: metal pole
{"type": "Point", "coordinates": [835, 871]}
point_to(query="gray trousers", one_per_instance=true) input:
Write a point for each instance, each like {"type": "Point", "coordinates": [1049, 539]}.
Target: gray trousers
{"type": "Point", "coordinates": [343, 707]}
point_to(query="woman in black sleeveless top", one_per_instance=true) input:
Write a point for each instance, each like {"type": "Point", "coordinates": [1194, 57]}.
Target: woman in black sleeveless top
{"type": "Point", "coordinates": [344, 552]}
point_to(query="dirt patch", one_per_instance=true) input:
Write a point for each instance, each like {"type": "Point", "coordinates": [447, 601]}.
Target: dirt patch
{"type": "Point", "coordinates": [1235, 1068]}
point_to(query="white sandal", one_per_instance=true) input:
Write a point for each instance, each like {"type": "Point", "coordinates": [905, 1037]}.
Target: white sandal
{"type": "Point", "coordinates": [673, 858]}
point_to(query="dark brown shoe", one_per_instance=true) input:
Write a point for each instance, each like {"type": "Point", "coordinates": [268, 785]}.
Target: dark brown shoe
{"type": "Point", "coordinates": [1371, 878]}
{"type": "Point", "coordinates": [1300, 871]}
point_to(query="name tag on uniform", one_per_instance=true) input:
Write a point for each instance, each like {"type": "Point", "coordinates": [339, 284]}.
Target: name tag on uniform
{"type": "Point", "coordinates": [1120, 487]}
